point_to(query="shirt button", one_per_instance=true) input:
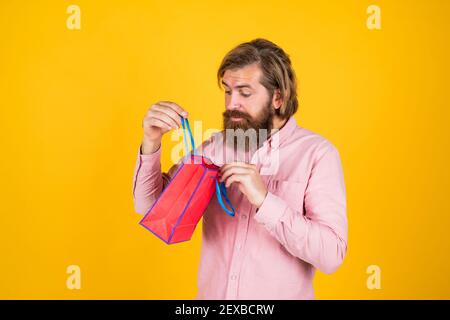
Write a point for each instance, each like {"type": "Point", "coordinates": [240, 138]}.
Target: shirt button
{"type": "Point", "coordinates": [239, 247]}
{"type": "Point", "coordinates": [233, 277]}
{"type": "Point", "coordinates": [244, 216]}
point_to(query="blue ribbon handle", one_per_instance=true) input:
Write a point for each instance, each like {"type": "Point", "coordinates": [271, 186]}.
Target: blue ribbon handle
{"type": "Point", "coordinates": [221, 190]}
{"type": "Point", "coordinates": [185, 124]}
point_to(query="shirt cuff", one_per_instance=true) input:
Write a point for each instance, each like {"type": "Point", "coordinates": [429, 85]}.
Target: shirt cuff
{"type": "Point", "coordinates": [271, 211]}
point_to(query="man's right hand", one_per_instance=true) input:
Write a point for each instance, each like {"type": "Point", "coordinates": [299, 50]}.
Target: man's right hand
{"type": "Point", "coordinates": [159, 119]}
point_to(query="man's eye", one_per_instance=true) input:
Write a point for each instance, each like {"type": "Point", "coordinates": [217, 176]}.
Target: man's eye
{"type": "Point", "coordinates": [228, 92]}
{"type": "Point", "coordinates": [245, 94]}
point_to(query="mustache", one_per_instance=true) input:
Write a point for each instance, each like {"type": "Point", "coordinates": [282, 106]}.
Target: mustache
{"type": "Point", "coordinates": [236, 114]}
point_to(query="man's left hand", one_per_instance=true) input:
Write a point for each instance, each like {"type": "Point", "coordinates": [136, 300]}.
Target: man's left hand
{"type": "Point", "coordinates": [248, 179]}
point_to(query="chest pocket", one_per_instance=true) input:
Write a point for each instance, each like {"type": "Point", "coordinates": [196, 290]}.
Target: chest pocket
{"type": "Point", "coordinates": [293, 192]}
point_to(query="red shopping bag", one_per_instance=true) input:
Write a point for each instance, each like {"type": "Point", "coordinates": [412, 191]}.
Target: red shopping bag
{"type": "Point", "coordinates": [175, 214]}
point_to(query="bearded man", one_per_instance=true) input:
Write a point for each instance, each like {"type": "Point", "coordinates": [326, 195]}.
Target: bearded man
{"type": "Point", "coordinates": [285, 182]}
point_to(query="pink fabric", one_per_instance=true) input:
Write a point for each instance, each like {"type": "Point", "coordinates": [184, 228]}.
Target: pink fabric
{"type": "Point", "coordinates": [272, 252]}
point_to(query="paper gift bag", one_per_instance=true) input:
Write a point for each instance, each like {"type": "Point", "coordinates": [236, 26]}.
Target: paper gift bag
{"type": "Point", "coordinates": [177, 211]}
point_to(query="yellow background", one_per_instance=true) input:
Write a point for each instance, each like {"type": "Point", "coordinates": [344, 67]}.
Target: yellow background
{"type": "Point", "coordinates": [72, 102]}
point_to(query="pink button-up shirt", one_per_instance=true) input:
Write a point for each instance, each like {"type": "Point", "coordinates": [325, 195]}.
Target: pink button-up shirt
{"type": "Point", "coordinates": [271, 252]}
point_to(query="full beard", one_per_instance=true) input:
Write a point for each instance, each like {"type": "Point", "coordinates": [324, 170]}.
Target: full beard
{"type": "Point", "coordinates": [248, 133]}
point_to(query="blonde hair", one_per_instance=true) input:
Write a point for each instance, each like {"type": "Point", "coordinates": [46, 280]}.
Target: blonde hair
{"type": "Point", "coordinates": [277, 71]}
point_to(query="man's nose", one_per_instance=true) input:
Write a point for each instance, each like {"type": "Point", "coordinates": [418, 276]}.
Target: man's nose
{"type": "Point", "coordinates": [232, 107]}
{"type": "Point", "coordinates": [233, 103]}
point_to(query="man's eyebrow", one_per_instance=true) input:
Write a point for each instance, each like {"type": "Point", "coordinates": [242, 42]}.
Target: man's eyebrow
{"type": "Point", "coordinates": [239, 86]}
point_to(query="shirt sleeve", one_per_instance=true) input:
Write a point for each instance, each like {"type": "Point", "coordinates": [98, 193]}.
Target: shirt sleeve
{"type": "Point", "coordinates": [317, 235]}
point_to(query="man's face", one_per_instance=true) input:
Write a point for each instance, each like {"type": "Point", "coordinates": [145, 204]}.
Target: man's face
{"type": "Point", "coordinates": [248, 103]}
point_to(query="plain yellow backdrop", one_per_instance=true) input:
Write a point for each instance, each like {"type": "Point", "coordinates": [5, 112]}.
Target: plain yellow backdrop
{"type": "Point", "coordinates": [72, 102]}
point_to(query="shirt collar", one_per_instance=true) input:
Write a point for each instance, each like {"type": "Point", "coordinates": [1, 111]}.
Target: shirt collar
{"type": "Point", "coordinates": [280, 136]}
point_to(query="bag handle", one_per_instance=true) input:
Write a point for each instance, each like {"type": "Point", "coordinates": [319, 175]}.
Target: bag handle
{"type": "Point", "coordinates": [185, 124]}
{"type": "Point", "coordinates": [221, 190]}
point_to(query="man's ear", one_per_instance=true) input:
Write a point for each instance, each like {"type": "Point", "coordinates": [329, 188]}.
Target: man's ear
{"type": "Point", "coordinates": [277, 101]}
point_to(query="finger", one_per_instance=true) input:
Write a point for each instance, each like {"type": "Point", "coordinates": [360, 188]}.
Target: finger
{"type": "Point", "coordinates": [234, 170]}
{"type": "Point", "coordinates": [158, 123]}
{"type": "Point", "coordinates": [165, 117]}
{"type": "Point", "coordinates": [237, 164]}
{"type": "Point", "coordinates": [235, 178]}
{"type": "Point", "coordinates": [175, 107]}
{"type": "Point", "coordinates": [175, 116]}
